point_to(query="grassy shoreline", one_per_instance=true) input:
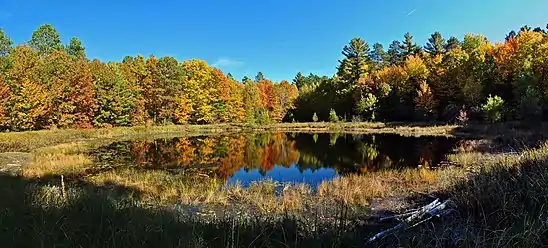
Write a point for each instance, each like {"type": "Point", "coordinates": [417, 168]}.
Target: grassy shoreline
{"type": "Point", "coordinates": [477, 178]}
{"type": "Point", "coordinates": [30, 140]}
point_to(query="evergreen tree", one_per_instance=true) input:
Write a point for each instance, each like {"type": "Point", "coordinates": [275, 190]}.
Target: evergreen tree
{"type": "Point", "coordinates": [76, 49]}
{"type": "Point", "coordinates": [395, 53]}
{"type": "Point", "coordinates": [452, 44]}
{"type": "Point", "coordinates": [246, 79]}
{"type": "Point", "coordinates": [408, 47]}
{"type": "Point", "coordinates": [378, 56]}
{"type": "Point", "coordinates": [511, 35]}
{"type": "Point", "coordinates": [355, 63]}
{"type": "Point", "coordinates": [259, 77]}
{"type": "Point", "coordinates": [436, 44]}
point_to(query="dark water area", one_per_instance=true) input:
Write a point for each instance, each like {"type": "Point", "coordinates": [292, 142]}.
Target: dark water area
{"type": "Point", "coordinates": [281, 157]}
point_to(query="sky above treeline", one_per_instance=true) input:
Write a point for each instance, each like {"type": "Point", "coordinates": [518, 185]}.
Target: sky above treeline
{"type": "Point", "coordinates": [278, 38]}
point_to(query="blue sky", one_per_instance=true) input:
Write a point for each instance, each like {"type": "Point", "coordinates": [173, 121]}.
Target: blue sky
{"type": "Point", "coordinates": [277, 37]}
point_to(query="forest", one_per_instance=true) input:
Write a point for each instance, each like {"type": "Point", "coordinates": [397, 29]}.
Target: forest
{"type": "Point", "coordinates": [45, 84]}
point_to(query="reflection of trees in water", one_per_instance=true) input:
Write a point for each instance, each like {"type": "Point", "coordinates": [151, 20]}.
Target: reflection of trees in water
{"type": "Point", "coordinates": [361, 153]}
{"type": "Point", "coordinates": [227, 154]}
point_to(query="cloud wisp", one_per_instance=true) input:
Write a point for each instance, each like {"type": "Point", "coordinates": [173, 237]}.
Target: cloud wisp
{"type": "Point", "coordinates": [227, 62]}
{"type": "Point", "coordinates": [411, 12]}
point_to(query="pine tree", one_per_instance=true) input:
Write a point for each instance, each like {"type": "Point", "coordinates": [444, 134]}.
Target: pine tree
{"type": "Point", "coordinates": [436, 44]}
{"type": "Point", "coordinates": [378, 56]}
{"type": "Point", "coordinates": [452, 44]}
{"type": "Point", "coordinates": [76, 49]}
{"type": "Point", "coordinates": [259, 77]}
{"type": "Point", "coordinates": [408, 47]}
{"type": "Point", "coordinates": [395, 56]}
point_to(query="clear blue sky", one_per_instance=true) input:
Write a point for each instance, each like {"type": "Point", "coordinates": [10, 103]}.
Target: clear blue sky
{"type": "Point", "coordinates": [277, 37]}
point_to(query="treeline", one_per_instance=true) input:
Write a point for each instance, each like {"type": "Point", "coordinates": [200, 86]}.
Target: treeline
{"type": "Point", "coordinates": [45, 84]}
{"type": "Point", "coordinates": [444, 80]}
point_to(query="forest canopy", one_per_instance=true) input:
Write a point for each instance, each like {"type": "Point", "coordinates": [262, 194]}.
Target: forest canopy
{"type": "Point", "coordinates": [47, 84]}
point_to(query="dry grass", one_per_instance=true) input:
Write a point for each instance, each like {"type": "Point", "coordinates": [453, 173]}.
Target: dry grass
{"type": "Point", "coordinates": [361, 189]}
{"type": "Point", "coordinates": [44, 165]}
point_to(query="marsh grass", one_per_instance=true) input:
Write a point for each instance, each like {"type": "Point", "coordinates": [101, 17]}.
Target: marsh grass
{"type": "Point", "coordinates": [502, 199]}
{"type": "Point", "coordinates": [503, 204]}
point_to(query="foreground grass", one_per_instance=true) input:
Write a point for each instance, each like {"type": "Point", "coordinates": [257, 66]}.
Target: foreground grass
{"type": "Point", "coordinates": [501, 198]}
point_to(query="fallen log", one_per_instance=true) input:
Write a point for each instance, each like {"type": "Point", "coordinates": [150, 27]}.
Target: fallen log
{"type": "Point", "coordinates": [414, 218]}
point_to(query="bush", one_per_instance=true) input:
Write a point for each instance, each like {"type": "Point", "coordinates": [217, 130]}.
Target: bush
{"type": "Point", "coordinates": [315, 117]}
{"type": "Point", "coordinates": [492, 109]}
{"type": "Point", "coordinates": [333, 116]}
{"type": "Point", "coordinates": [367, 106]}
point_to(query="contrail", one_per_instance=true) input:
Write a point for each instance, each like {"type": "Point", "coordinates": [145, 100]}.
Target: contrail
{"type": "Point", "coordinates": [412, 11]}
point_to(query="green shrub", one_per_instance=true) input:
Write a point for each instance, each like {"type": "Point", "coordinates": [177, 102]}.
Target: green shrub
{"type": "Point", "coordinates": [333, 116]}
{"type": "Point", "coordinates": [315, 117]}
{"type": "Point", "coordinates": [367, 106]}
{"type": "Point", "coordinates": [493, 108]}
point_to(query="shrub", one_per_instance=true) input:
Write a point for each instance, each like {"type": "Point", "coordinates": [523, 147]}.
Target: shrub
{"type": "Point", "coordinates": [493, 108]}
{"type": "Point", "coordinates": [315, 117]}
{"type": "Point", "coordinates": [333, 116]}
{"type": "Point", "coordinates": [367, 106]}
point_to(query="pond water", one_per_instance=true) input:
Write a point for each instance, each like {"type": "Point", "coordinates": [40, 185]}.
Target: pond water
{"type": "Point", "coordinates": [282, 157]}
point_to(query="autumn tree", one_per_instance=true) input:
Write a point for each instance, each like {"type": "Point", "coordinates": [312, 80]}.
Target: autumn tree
{"type": "Point", "coordinates": [134, 71]}
{"type": "Point", "coordinates": [425, 103]}
{"type": "Point", "coordinates": [115, 98]}
{"type": "Point", "coordinates": [29, 105]}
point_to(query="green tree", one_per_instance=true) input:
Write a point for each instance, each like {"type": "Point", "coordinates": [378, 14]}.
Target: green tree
{"type": "Point", "coordinates": [115, 98]}
{"type": "Point", "coordinates": [493, 108]}
{"type": "Point", "coordinates": [333, 117]}
{"type": "Point", "coordinates": [299, 80]}
{"type": "Point", "coordinates": [395, 55]}
{"type": "Point", "coordinates": [5, 44]}
{"type": "Point", "coordinates": [378, 56]}
{"type": "Point", "coordinates": [436, 44]}
{"type": "Point", "coordinates": [259, 77]}
{"type": "Point", "coordinates": [452, 44]}
{"type": "Point", "coordinates": [45, 40]}
{"type": "Point", "coordinates": [367, 106]}
{"type": "Point", "coordinates": [315, 117]}
{"type": "Point", "coordinates": [408, 46]}
{"type": "Point", "coordinates": [75, 48]}
{"type": "Point", "coordinates": [246, 79]}
{"type": "Point", "coordinates": [355, 63]}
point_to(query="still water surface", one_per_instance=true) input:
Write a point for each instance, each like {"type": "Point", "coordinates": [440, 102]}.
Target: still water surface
{"type": "Point", "coordinates": [282, 157]}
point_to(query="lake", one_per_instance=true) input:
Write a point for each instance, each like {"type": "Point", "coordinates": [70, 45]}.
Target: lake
{"type": "Point", "coordinates": [281, 157]}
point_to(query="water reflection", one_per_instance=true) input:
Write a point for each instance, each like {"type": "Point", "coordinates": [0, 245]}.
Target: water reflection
{"type": "Point", "coordinates": [308, 158]}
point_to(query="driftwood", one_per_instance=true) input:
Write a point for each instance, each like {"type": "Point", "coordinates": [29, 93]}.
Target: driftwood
{"type": "Point", "coordinates": [415, 217]}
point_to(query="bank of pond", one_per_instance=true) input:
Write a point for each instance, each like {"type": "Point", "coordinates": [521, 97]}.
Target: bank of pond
{"type": "Point", "coordinates": [238, 188]}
